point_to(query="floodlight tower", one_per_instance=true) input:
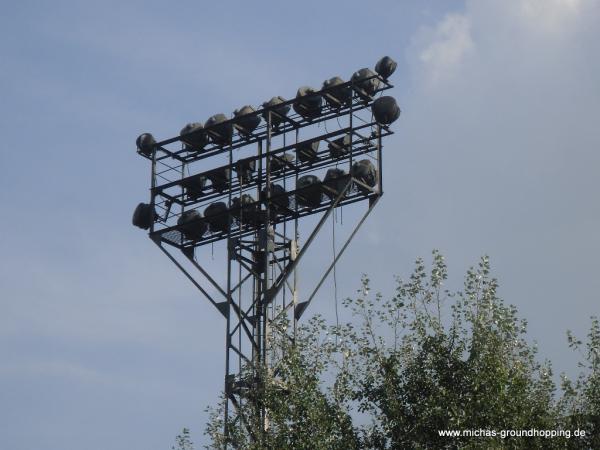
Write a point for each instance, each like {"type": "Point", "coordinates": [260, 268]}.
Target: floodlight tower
{"type": "Point", "coordinates": [247, 184]}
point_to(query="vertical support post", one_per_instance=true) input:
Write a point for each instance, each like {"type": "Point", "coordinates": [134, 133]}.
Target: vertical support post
{"type": "Point", "coordinates": [229, 300]}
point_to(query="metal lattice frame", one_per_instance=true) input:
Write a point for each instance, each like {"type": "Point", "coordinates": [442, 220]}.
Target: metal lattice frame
{"type": "Point", "coordinates": [264, 251]}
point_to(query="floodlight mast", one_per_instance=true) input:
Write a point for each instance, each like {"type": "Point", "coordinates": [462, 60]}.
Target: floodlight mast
{"type": "Point", "coordinates": [259, 295]}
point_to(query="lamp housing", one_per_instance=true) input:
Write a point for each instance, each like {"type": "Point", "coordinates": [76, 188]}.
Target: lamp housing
{"type": "Point", "coordinates": [191, 225]}
{"type": "Point", "coordinates": [247, 119]}
{"type": "Point", "coordinates": [221, 131]}
{"type": "Point", "coordinates": [309, 187]}
{"type": "Point", "coordinates": [308, 103]}
{"type": "Point", "coordinates": [145, 144]}
{"type": "Point", "coordinates": [217, 217]}
{"type": "Point", "coordinates": [385, 67]}
{"type": "Point", "coordinates": [385, 110]}
{"type": "Point", "coordinates": [143, 216]}
{"type": "Point", "coordinates": [193, 136]}
{"type": "Point", "coordinates": [277, 113]}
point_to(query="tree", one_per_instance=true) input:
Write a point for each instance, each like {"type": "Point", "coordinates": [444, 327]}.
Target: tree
{"type": "Point", "coordinates": [580, 404]}
{"type": "Point", "coordinates": [408, 367]}
{"type": "Point", "coordinates": [183, 441]}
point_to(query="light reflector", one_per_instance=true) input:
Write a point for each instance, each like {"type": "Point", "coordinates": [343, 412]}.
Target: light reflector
{"type": "Point", "coordinates": [221, 134]}
{"type": "Point", "coordinates": [277, 113]}
{"type": "Point", "coordinates": [308, 104]}
{"type": "Point", "coordinates": [386, 110]}
{"type": "Point", "coordinates": [143, 216]}
{"type": "Point", "coordinates": [310, 196]}
{"type": "Point", "coordinates": [193, 136]}
{"type": "Point", "coordinates": [364, 171]}
{"type": "Point", "coordinates": [216, 216]}
{"type": "Point", "coordinates": [246, 119]}
{"type": "Point", "coordinates": [145, 144]}
{"type": "Point", "coordinates": [191, 225]}
{"type": "Point", "coordinates": [337, 97]}
{"type": "Point", "coordinates": [385, 67]}
{"type": "Point", "coordinates": [366, 80]}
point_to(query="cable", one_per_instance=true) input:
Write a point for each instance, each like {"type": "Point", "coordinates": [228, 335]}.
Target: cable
{"type": "Point", "coordinates": [335, 291]}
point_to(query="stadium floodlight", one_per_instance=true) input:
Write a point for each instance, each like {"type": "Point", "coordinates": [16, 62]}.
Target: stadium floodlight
{"type": "Point", "coordinates": [365, 172]}
{"type": "Point", "coordinates": [145, 144]}
{"type": "Point", "coordinates": [309, 191]}
{"type": "Point", "coordinates": [216, 215]}
{"type": "Point", "coordinates": [306, 152]}
{"type": "Point", "coordinates": [245, 169]}
{"type": "Point", "coordinates": [278, 113]}
{"type": "Point", "coordinates": [366, 81]}
{"type": "Point", "coordinates": [335, 180]}
{"type": "Point", "coordinates": [194, 186]}
{"type": "Point", "coordinates": [386, 110]}
{"type": "Point", "coordinates": [219, 178]}
{"type": "Point", "coordinates": [244, 209]}
{"type": "Point", "coordinates": [247, 119]}
{"type": "Point", "coordinates": [280, 202]}
{"type": "Point", "coordinates": [340, 147]}
{"type": "Point", "coordinates": [191, 224]}
{"type": "Point", "coordinates": [143, 216]}
{"type": "Point", "coordinates": [222, 130]}
{"type": "Point", "coordinates": [282, 162]}
{"type": "Point", "coordinates": [337, 93]}
{"type": "Point", "coordinates": [247, 182]}
{"type": "Point", "coordinates": [308, 103]}
{"type": "Point", "coordinates": [385, 67]}
{"type": "Point", "coordinates": [193, 136]}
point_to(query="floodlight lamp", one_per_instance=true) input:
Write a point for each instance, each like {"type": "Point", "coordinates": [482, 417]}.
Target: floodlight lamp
{"type": "Point", "coordinates": [309, 191]}
{"type": "Point", "coordinates": [386, 110]}
{"type": "Point", "coordinates": [385, 67]}
{"type": "Point", "coordinates": [191, 225]}
{"type": "Point", "coordinates": [247, 120]}
{"type": "Point", "coordinates": [245, 169]}
{"type": "Point", "coordinates": [308, 104]}
{"type": "Point", "coordinates": [306, 152]}
{"type": "Point", "coordinates": [340, 147]}
{"type": "Point", "coordinates": [281, 162]}
{"type": "Point", "coordinates": [194, 186]}
{"type": "Point", "coordinates": [277, 112]}
{"type": "Point", "coordinates": [221, 133]}
{"type": "Point", "coordinates": [366, 80]}
{"type": "Point", "coordinates": [193, 136]}
{"type": "Point", "coordinates": [143, 216]}
{"type": "Point", "coordinates": [244, 209]}
{"type": "Point", "coordinates": [145, 144]}
{"type": "Point", "coordinates": [279, 199]}
{"type": "Point", "coordinates": [364, 171]}
{"type": "Point", "coordinates": [336, 96]}
{"type": "Point", "coordinates": [219, 178]}
{"type": "Point", "coordinates": [335, 181]}
{"type": "Point", "coordinates": [216, 216]}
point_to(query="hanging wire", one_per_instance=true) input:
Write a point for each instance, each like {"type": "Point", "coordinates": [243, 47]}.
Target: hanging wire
{"type": "Point", "coordinates": [335, 290]}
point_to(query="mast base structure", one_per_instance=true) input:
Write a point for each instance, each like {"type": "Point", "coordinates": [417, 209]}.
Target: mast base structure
{"type": "Point", "coordinates": [274, 174]}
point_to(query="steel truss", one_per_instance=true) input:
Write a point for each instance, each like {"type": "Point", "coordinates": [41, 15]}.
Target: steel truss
{"type": "Point", "coordinates": [262, 240]}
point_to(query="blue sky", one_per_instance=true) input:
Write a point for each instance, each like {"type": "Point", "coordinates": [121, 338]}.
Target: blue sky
{"type": "Point", "coordinates": [103, 344]}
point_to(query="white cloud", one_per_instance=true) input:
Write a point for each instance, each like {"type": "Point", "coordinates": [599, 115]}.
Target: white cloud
{"type": "Point", "coordinates": [548, 16]}
{"type": "Point", "coordinates": [450, 42]}
{"type": "Point", "coordinates": [501, 134]}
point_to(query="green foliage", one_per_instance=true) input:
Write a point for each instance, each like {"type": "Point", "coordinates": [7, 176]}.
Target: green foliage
{"type": "Point", "coordinates": [406, 367]}
{"type": "Point", "coordinates": [580, 404]}
{"type": "Point", "coordinates": [183, 441]}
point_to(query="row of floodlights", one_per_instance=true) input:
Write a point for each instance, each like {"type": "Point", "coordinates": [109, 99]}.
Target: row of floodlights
{"type": "Point", "coordinates": [309, 194]}
{"type": "Point", "coordinates": [306, 152]}
{"type": "Point", "coordinates": [308, 104]}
